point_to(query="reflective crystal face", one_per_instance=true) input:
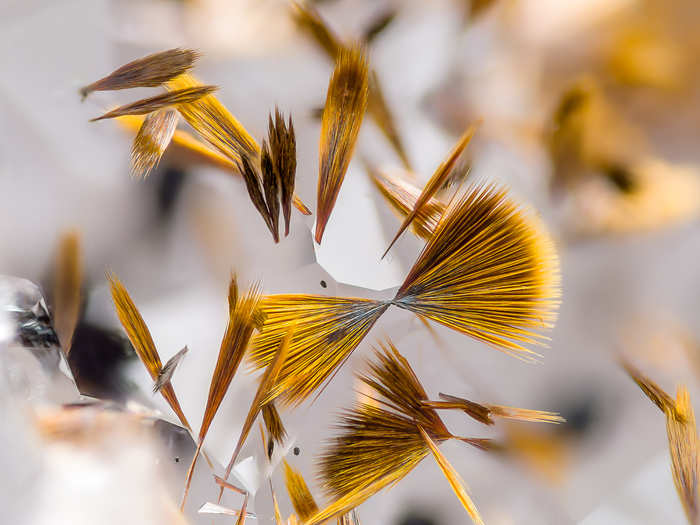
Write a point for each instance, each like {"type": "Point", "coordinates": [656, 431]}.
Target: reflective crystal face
{"type": "Point", "coordinates": [33, 362]}
{"type": "Point", "coordinates": [22, 302]}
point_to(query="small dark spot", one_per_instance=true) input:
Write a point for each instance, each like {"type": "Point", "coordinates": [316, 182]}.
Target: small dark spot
{"type": "Point", "coordinates": [177, 460]}
{"type": "Point", "coordinates": [379, 24]}
{"type": "Point", "coordinates": [621, 178]}
{"type": "Point", "coordinates": [297, 451]}
{"type": "Point", "coordinates": [581, 415]}
{"type": "Point", "coordinates": [417, 518]}
{"type": "Point", "coordinates": [170, 182]}
{"type": "Point", "coordinates": [323, 284]}
{"type": "Point", "coordinates": [571, 102]}
{"type": "Point", "coordinates": [270, 448]}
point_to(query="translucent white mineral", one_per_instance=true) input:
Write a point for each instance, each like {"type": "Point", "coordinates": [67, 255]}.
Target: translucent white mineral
{"type": "Point", "coordinates": [31, 361]}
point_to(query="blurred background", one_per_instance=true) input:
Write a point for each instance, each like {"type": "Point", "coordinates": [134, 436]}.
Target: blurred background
{"type": "Point", "coordinates": [589, 114]}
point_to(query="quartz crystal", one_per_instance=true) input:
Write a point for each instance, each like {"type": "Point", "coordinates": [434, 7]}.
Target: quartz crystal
{"type": "Point", "coordinates": [32, 362]}
{"type": "Point", "coordinates": [62, 446]}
